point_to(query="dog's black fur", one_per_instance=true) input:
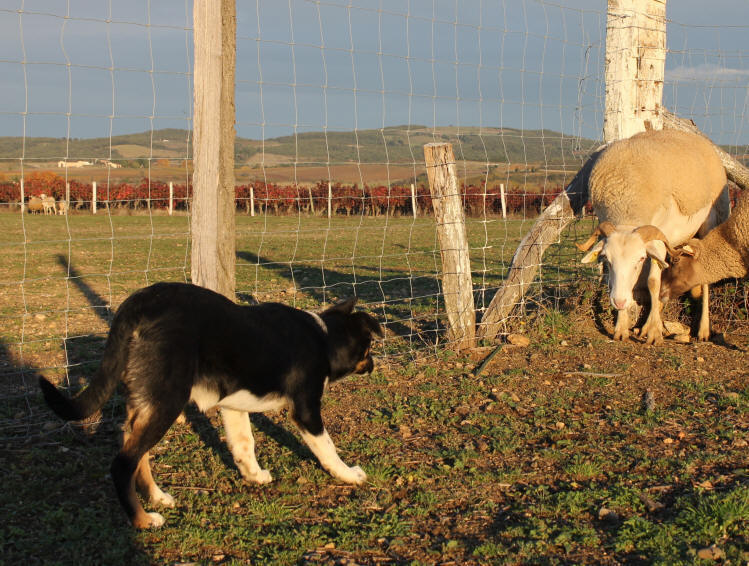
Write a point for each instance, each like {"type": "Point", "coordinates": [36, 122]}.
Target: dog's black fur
{"type": "Point", "coordinates": [171, 342]}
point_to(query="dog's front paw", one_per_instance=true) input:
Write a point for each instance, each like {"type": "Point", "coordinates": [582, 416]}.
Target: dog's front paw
{"type": "Point", "coordinates": [162, 498]}
{"type": "Point", "coordinates": [354, 475]}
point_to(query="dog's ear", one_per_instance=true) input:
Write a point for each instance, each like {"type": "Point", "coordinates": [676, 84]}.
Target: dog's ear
{"type": "Point", "coordinates": [370, 323]}
{"type": "Point", "coordinates": [345, 307]}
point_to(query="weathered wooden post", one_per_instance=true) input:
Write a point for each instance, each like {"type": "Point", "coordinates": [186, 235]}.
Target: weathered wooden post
{"type": "Point", "coordinates": [252, 200]}
{"type": "Point", "coordinates": [457, 286]}
{"type": "Point", "coordinates": [635, 59]}
{"type": "Point", "coordinates": [23, 198]}
{"type": "Point", "coordinates": [171, 197]}
{"type": "Point", "coordinates": [213, 234]}
{"type": "Point", "coordinates": [93, 197]}
{"type": "Point", "coordinates": [635, 62]}
{"type": "Point", "coordinates": [67, 197]}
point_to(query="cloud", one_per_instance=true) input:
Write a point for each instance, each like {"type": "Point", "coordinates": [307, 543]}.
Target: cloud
{"type": "Point", "coordinates": [706, 72]}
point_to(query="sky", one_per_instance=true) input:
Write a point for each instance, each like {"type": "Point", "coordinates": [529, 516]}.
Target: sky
{"type": "Point", "coordinates": [96, 68]}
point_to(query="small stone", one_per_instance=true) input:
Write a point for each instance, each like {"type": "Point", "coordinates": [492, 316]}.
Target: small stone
{"type": "Point", "coordinates": [329, 545]}
{"type": "Point", "coordinates": [587, 366]}
{"type": "Point", "coordinates": [514, 398]}
{"type": "Point", "coordinates": [700, 359]}
{"type": "Point", "coordinates": [682, 338]}
{"type": "Point", "coordinates": [40, 316]}
{"type": "Point", "coordinates": [218, 557]}
{"type": "Point", "coordinates": [710, 553]}
{"type": "Point", "coordinates": [50, 425]}
{"type": "Point", "coordinates": [405, 431]}
{"type": "Point", "coordinates": [563, 343]}
{"type": "Point", "coordinates": [19, 415]}
{"type": "Point", "coordinates": [648, 401]}
{"type": "Point", "coordinates": [559, 425]}
{"type": "Point", "coordinates": [518, 340]}
{"type": "Point", "coordinates": [740, 443]}
{"type": "Point", "coordinates": [675, 328]}
{"type": "Point", "coordinates": [302, 480]}
{"type": "Point", "coordinates": [668, 441]}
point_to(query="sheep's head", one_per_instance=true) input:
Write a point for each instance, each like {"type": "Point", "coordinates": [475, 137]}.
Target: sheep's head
{"type": "Point", "coordinates": [625, 252]}
{"type": "Point", "coordinates": [685, 271]}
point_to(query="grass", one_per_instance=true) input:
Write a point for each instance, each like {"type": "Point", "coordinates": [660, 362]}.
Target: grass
{"type": "Point", "coordinates": [511, 467]}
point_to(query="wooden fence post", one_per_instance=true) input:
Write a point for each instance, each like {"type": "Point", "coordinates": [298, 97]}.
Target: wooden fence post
{"type": "Point", "coordinates": [213, 234]}
{"type": "Point", "coordinates": [171, 197]}
{"type": "Point", "coordinates": [635, 59]}
{"type": "Point", "coordinates": [635, 62]}
{"type": "Point", "coordinates": [252, 200]}
{"type": "Point", "coordinates": [67, 197]}
{"type": "Point", "coordinates": [503, 199]}
{"type": "Point", "coordinates": [93, 197]}
{"type": "Point", "coordinates": [23, 198]}
{"type": "Point", "coordinates": [457, 286]}
{"type": "Point", "coordinates": [413, 199]}
{"type": "Point", "coordinates": [330, 200]}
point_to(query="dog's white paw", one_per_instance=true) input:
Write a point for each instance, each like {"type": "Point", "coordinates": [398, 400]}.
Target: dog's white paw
{"type": "Point", "coordinates": [156, 520]}
{"type": "Point", "coordinates": [354, 475]}
{"type": "Point", "coordinates": [162, 498]}
{"type": "Point", "coordinates": [260, 477]}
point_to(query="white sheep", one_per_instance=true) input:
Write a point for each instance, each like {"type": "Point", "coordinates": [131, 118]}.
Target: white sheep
{"type": "Point", "coordinates": [34, 205]}
{"type": "Point", "coordinates": [723, 253]}
{"type": "Point", "coordinates": [48, 203]}
{"type": "Point", "coordinates": [651, 191]}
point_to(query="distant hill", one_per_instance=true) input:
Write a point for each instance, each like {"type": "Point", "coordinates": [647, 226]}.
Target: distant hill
{"type": "Point", "coordinates": [394, 145]}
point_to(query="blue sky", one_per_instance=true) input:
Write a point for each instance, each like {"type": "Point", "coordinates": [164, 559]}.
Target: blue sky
{"type": "Point", "coordinates": [91, 68]}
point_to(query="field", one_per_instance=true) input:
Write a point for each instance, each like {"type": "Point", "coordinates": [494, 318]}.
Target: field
{"type": "Point", "coordinates": [571, 450]}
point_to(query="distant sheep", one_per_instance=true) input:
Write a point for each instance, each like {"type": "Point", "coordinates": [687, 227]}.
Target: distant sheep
{"type": "Point", "coordinates": [34, 205]}
{"type": "Point", "coordinates": [723, 253]}
{"type": "Point", "coordinates": [48, 203]}
{"type": "Point", "coordinates": [651, 191]}
{"type": "Point", "coordinates": [62, 207]}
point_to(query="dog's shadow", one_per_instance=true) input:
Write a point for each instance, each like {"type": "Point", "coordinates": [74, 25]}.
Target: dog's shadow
{"type": "Point", "coordinates": [201, 424]}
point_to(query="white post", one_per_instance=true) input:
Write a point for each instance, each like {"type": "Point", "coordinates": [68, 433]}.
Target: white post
{"type": "Point", "coordinates": [330, 199]}
{"type": "Point", "coordinates": [171, 197]}
{"type": "Point", "coordinates": [67, 197]}
{"type": "Point", "coordinates": [635, 61]}
{"type": "Point", "coordinates": [503, 200]}
{"type": "Point", "coordinates": [23, 198]}
{"type": "Point", "coordinates": [252, 200]}
{"type": "Point", "coordinates": [93, 197]}
{"type": "Point", "coordinates": [413, 199]}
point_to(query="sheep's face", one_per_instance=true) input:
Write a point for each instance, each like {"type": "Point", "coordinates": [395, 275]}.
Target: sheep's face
{"type": "Point", "coordinates": [676, 280]}
{"type": "Point", "coordinates": [625, 253]}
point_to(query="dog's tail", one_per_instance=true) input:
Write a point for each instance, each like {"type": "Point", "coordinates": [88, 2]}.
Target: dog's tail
{"type": "Point", "coordinates": [102, 385]}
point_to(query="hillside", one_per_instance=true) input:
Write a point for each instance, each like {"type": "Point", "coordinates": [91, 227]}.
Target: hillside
{"type": "Point", "coordinates": [394, 145]}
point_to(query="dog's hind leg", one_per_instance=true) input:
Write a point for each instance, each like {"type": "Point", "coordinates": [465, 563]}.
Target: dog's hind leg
{"type": "Point", "coordinates": [310, 424]}
{"type": "Point", "coordinates": [146, 427]}
{"type": "Point", "coordinates": [242, 445]}
{"type": "Point", "coordinates": [148, 487]}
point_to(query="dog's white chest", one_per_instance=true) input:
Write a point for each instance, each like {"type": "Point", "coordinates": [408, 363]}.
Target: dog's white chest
{"type": "Point", "coordinates": [239, 401]}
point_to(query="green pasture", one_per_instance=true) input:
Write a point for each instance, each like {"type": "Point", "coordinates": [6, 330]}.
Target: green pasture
{"type": "Point", "coordinates": [548, 457]}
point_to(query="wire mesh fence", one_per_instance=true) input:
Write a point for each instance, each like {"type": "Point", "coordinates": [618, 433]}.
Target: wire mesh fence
{"type": "Point", "coordinates": [334, 103]}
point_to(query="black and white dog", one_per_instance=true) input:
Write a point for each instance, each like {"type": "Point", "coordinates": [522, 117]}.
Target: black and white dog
{"type": "Point", "coordinates": [172, 343]}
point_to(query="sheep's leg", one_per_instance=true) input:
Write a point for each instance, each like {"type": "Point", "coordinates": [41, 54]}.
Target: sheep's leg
{"type": "Point", "coordinates": [621, 329]}
{"type": "Point", "coordinates": [704, 331]}
{"type": "Point", "coordinates": [652, 330]}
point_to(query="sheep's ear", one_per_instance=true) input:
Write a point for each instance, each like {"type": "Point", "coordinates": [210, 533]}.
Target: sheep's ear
{"type": "Point", "coordinates": [686, 249]}
{"type": "Point", "coordinates": [656, 251]}
{"type": "Point", "coordinates": [592, 255]}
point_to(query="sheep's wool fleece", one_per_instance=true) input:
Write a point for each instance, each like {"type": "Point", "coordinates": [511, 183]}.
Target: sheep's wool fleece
{"type": "Point", "coordinates": [635, 177]}
{"type": "Point", "coordinates": [725, 249]}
